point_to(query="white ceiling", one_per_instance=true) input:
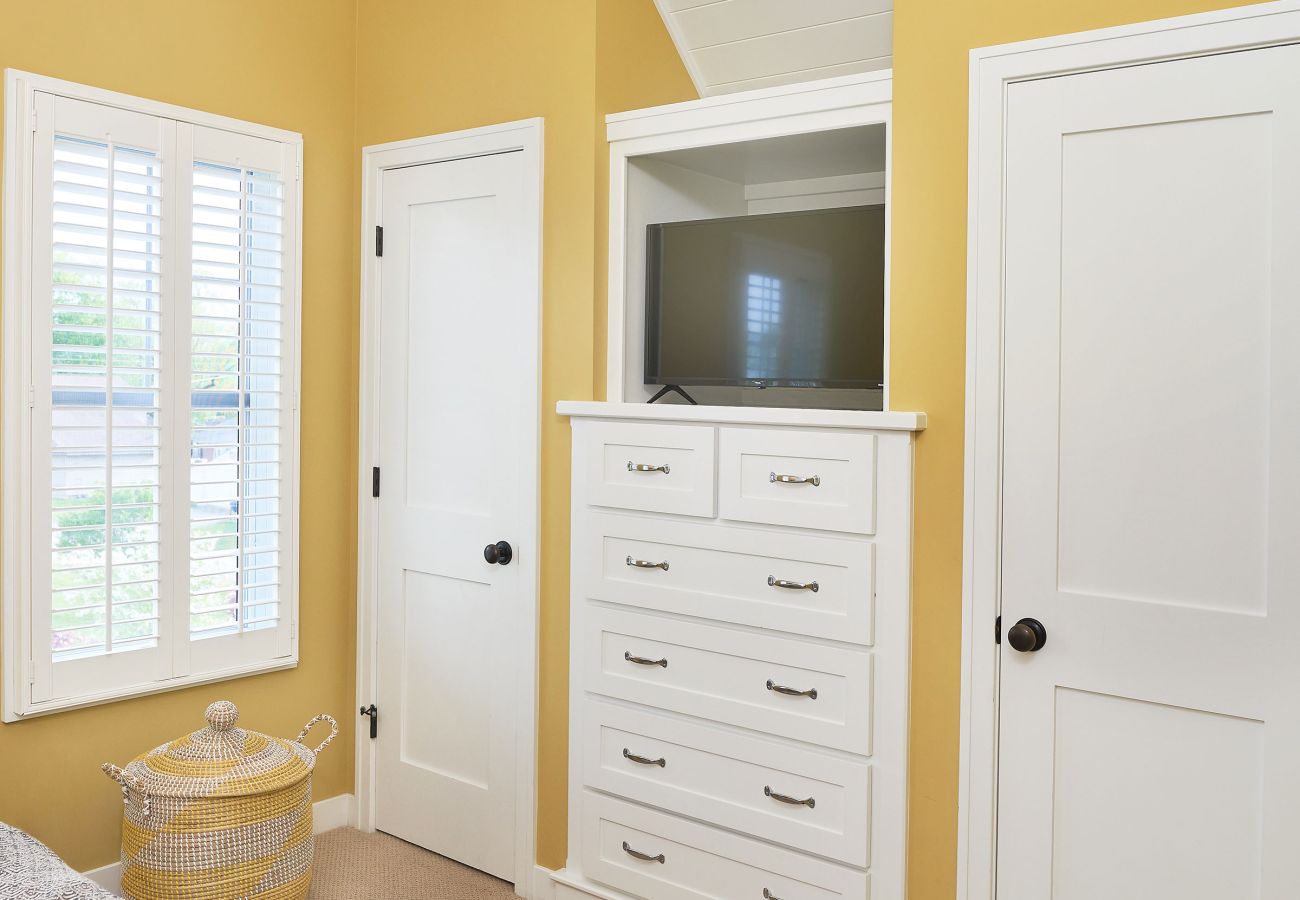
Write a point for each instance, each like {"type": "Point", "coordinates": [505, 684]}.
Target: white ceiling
{"type": "Point", "coordinates": [737, 45]}
{"type": "Point", "coordinates": [819, 154]}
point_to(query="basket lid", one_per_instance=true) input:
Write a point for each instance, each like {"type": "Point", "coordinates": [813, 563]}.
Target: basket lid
{"type": "Point", "coordinates": [221, 761]}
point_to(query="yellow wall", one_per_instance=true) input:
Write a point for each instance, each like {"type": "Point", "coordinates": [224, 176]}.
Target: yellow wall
{"type": "Point", "coordinates": [425, 68]}
{"type": "Point", "coordinates": [932, 41]}
{"type": "Point", "coordinates": [636, 66]}
{"type": "Point", "coordinates": [289, 64]}
{"type": "Point", "coordinates": [348, 73]}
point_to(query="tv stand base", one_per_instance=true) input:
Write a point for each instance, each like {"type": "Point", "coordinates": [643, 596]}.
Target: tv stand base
{"type": "Point", "coordinates": [673, 389]}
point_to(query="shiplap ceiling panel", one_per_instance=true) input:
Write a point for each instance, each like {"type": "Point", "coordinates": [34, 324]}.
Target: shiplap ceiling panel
{"type": "Point", "coordinates": [853, 68]}
{"type": "Point", "coordinates": [791, 52]}
{"type": "Point", "coordinates": [732, 45]}
{"type": "Point", "coordinates": [739, 20]}
{"type": "Point", "coordinates": [676, 5]}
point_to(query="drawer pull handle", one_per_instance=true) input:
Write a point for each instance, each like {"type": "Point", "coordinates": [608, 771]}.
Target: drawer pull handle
{"type": "Point", "coordinates": [773, 581]}
{"type": "Point", "coordinates": [644, 857]}
{"type": "Point", "coordinates": [768, 895]}
{"type": "Point", "coordinates": [646, 564]}
{"type": "Point", "coordinates": [811, 693]}
{"type": "Point", "coordinates": [645, 760]}
{"type": "Point", "coordinates": [642, 661]}
{"type": "Point", "coordinates": [786, 798]}
{"type": "Point", "coordinates": [814, 480]}
{"type": "Point", "coordinates": [646, 467]}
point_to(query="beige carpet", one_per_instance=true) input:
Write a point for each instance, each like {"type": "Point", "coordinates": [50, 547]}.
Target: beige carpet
{"type": "Point", "coordinates": [355, 866]}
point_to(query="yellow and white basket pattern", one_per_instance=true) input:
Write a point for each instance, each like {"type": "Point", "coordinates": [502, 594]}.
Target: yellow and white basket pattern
{"type": "Point", "coordinates": [220, 814]}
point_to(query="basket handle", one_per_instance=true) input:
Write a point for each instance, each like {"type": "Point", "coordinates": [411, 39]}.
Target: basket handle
{"type": "Point", "coordinates": [129, 783]}
{"type": "Point", "coordinates": [334, 731]}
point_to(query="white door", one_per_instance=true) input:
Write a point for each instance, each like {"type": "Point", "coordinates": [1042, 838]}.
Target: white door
{"type": "Point", "coordinates": [457, 399]}
{"type": "Point", "coordinates": [1150, 750]}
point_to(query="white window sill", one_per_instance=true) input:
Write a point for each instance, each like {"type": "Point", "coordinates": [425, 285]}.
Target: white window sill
{"type": "Point", "coordinates": [35, 710]}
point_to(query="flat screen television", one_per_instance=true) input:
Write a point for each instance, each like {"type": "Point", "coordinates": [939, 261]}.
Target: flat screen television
{"type": "Point", "coordinates": [792, 299]}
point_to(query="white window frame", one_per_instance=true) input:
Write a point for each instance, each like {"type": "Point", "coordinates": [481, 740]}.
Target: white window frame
{"type": "Point", "coordinates": [17, 654]}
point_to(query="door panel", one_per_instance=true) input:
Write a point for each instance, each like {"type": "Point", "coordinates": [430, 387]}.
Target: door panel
{"type": "Point", "coordinates": [1150, 505]}
{"type": "Point", "coordinates": [1127, 758]}
{"type": "Point", "coordinates": [456, 393]}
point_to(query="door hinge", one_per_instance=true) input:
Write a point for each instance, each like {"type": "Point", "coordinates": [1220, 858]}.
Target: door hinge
{"type": "Point", "coordinates": [373, 712]}
{"type": "Point", "coordinates": [374, 481]}
{"type": "Point", "coordinates": [379, 240]}
{"type": "Point", "coordinates": [997, 630]}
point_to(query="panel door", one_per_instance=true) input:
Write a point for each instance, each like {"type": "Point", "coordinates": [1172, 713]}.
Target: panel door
{"type": "Point", "coordinates": [457, 388]}
{"type": "Point", "coordinates": [1151, 748]}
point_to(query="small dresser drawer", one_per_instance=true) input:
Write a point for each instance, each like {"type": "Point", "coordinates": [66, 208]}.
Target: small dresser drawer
{"type": "Point", "coordinates": [798, 797]}
{"type": "Point", "coordinates": [657, 856]}
{"type": "Point", "coordinates": [807, 479]}
{"type": "Point", "coordinates": [650, 466]}
{"type": "Point", "coordinates": [795, 583]}
{"type": "Point", "coordinates": [783, 686]}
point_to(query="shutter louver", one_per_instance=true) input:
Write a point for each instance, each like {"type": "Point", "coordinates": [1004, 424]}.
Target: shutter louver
{"type": "Point", "coordinates": [105, 440]}
{"type": "Point", "coordinates": [236, 400]}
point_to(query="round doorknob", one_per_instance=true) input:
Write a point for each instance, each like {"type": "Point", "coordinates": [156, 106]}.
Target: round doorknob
{"type": "Point", "coordinates": [1027, 635]}
{"type": "Point", "coordinates": [499, 553]}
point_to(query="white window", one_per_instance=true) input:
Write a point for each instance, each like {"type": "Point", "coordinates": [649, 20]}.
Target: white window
{"type": "Point", "coordinates": [150, 396]}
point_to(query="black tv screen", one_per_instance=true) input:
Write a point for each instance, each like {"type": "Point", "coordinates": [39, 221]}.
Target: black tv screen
{"type": "Point", "coordinates": [790, 299]}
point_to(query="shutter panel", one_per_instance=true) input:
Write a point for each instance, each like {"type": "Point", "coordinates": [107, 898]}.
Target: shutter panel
{"type": "Point", "coordinates": [102, 445]}
{"type": "Point", "coordinates": [240, 421]}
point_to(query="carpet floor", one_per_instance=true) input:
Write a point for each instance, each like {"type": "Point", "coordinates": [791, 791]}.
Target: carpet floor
{"type": "Point", "coordinates": [355, 866]}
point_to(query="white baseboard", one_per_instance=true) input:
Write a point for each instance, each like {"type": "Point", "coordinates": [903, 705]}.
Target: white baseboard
{"type": "Point", "coordinates": [543, 888]}
{"type": "Point", "coordinates": [569, 885]}
{"type": "Point", "coordinates": [328, 814]}
{"type": "Point", "coordinates": [333, 812]}
{"type": "Point", "coordinates": [108, 877]}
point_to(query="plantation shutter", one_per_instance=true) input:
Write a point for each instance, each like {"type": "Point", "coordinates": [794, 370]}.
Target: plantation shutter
{"type": "Point", "coordinates": [161, 323]}
{"type": "Point", "coordinates": [239, 405]}
{"type": "Point", "coordinates": [99, 475]}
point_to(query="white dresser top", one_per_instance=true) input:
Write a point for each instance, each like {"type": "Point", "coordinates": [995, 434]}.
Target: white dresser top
{"type": "Point", "coordinates": [745, 415]}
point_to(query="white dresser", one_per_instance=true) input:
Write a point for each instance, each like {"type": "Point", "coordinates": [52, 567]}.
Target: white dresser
{"type": "Point", "coordinates": [740, 593]}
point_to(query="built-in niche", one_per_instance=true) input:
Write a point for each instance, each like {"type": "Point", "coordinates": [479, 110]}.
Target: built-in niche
{"type": "Point", "coordinates": [823, 169]}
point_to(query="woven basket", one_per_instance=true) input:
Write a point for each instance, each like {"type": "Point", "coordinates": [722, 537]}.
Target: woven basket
{"type": "Point", "coordinates": [220, 814]}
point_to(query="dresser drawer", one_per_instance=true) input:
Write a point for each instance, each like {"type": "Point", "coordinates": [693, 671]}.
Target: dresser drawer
{"type": "Point", "coordinates": [808, 479]}
{"type": "Point", "coordinates": [795, 583]}
{"type": "Point", "coordinates": [783, 686]}
{"type": "Point", "coordinates": [689, 861]}
{"type": "Point", "coordinates": [739, 782]}
{"type": "Point", "coordinates": [650, 466]}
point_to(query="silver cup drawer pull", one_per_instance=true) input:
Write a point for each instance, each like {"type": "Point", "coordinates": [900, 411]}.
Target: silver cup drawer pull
{"type": "Point", "coordinates": [643, 661]}
{"type": "Point", "coordinates": [773, 581]}
{"type": "Point", "coordinates": [786, 798]}
{"type": "Point", "coordinates": [647, 564]}
{"type": "Point", "coordinates": [647, 467]}
{"type": "Point", "coordinates": [814, 480]}
{"type": "Point", "coordinates": [644, 760]}
{"type": "Point", "coordinates": [768, 895]}
{"type": "Point", "coordinates": [644, 857]}
{"type": "Point", "coordinates": [811, 693]}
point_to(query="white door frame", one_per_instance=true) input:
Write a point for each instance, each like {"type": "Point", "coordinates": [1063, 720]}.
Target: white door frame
{"type": "Point", "coordinates": [524, 136]}
{"type": "Point", "coordinates": [992, 70]}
